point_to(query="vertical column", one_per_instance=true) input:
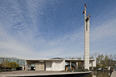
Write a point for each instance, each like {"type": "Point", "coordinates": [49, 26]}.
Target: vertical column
{"type": "Point", "coordinates": [76, 65]}
{"type": "Point", "coordinates": [92, 65]}
{"type": "Point", "coordinates": [86, 46]}
{"type": "Point", "coordinates": [64, 64]}
{"type": "Point", "coordinates": [70, 65]}
{"type": "Point", "coordinates": [25, 66]}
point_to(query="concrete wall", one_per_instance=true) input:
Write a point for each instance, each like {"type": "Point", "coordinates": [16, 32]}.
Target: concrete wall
{"type": "Point", "coordinates": [94, 63]}
{"type": "Point", "coordinates": [58, 65]}
{"type": "Point", "coordinates": [55, 65]}
{"type": "Point", "coordinates": [49, 66]}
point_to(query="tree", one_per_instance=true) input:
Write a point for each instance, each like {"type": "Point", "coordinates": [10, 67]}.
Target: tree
{"type": "Point", "coordinates": [1, 66]}
{"type": "Point", "coordinates": [14, 65]}
{"type": "Point", "coordinates": [104, 61]}
{"type": "Point", "coordinates": [98, 65]}
{"type": "Point", "coordinates": [99, 58]}
{"type": "Point", "coordinates": [6, 64]}
{"type": "Point", "coordinates": [9, 65]}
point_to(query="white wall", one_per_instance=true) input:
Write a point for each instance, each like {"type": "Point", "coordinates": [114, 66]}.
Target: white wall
{"type": "Point", "coordinates": [58, 65]}
{"type": "Point", "coordinates": [49, 66]}
{"type": "Point", "coordinates": [55, 65]}
{"type": "Point", "coordinates": [92, 63]}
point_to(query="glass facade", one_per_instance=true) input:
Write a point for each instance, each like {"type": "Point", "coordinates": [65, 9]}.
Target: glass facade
{"type": "Point", "coordinates": [21, 62]}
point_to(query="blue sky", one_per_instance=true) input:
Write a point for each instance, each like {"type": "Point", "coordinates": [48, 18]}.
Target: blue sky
{"type": "Point", "coordinates": [34, 29]}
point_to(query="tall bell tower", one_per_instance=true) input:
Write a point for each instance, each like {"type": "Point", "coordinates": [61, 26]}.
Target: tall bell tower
{"type": "Point", "coordinates": [86, 45]}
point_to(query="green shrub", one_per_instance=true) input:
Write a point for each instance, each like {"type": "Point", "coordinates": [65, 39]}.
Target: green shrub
{"type": "Point", "coordinates": [80, 70]}
{"type": "Point", "coordinates": [85, 70]}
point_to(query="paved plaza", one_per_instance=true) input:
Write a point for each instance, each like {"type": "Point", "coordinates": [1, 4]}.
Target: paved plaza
{"type": "Point", "coordinates": [36, 73]}
{"type": "Point", "coordinates": [113, 74]}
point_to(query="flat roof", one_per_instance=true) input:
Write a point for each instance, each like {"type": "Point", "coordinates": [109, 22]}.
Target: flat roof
{"type": "Point", "coordinates": [46, 60]}
{"type": "Point", "coordinates": [73, 60]}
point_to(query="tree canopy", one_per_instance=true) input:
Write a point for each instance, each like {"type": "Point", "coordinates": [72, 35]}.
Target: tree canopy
{"type": "Point", "coordinates": [9, 65]}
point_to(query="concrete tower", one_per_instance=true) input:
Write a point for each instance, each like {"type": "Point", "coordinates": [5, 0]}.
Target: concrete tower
{"type": "Point", "coordinates": [86, 47]}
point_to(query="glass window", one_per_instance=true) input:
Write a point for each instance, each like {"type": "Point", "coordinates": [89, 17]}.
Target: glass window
{"type": "Point", "coordinates": [1, 59]}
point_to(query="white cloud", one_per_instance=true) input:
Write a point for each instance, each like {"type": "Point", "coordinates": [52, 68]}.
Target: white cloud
{"type": "Point", "coordinates": [25, 47]}
{"type": "Point", "coordinates": [104, 30]}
